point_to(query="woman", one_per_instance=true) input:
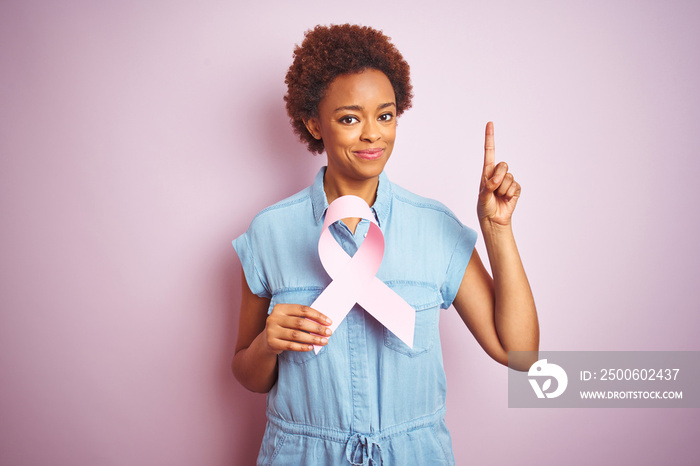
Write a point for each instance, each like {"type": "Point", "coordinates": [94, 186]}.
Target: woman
{"type": "Point", "coordinates": [367, 397]}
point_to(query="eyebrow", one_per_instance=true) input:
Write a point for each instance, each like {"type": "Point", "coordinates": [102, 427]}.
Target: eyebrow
{"type": "Point", "coordinates": [359, 108]}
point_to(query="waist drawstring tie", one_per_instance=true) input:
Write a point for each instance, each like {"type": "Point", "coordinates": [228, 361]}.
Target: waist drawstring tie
{"type": "Point", "coordinates": [363, 451]}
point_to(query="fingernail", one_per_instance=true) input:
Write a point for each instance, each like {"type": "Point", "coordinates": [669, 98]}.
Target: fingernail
{"type": "Point", "coordinates": [328, 320]}
{"type": "Point", "coordinates": [328, 331]}
{"type": "Point", "coordinates": [324, 340]}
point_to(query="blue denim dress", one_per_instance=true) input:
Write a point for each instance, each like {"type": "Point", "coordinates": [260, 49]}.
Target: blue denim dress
{"type": "Point", "coordinates": [366, 398]}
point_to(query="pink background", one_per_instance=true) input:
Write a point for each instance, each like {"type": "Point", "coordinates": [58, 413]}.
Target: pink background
{"type": "Point", "coordinates": [137, 139]}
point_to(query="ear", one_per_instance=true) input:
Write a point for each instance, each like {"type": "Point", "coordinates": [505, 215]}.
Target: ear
{"type": "Point", "coordinates": [313, 127]}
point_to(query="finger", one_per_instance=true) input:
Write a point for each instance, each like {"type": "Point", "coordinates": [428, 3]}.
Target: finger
{"type": "Point", "coordinates": [489, 152]}
{"type": "Point", "coordinates": [283, 345]}
{"type": "Point", "coordinates": [298, 310]}
{"type": "Point", "coordinates": [313, 314]}
{"type": "Point", "coordinates": [279, 340]}
{"type": "Point", "coordinates": [300, 336]}
{"type": "Point", "coordinates": [505, 184]}
{"type": "Point", "coordinates": [513, 191]}
{"type": "Point", "coordinates": [306, 325]}
{"type": "Point", "coordinates": [495, 180]}
{"type": "Point", "coordinates": [286, 339]}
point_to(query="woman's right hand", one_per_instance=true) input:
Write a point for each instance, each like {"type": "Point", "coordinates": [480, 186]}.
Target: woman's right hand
{"type": "Point", "coordinates": [293, 327]}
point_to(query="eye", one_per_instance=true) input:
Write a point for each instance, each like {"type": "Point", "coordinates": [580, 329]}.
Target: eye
{"type": "Point", "coordinates": [348, 120]}
{"type": "Point", "coordinates": [386, 116]}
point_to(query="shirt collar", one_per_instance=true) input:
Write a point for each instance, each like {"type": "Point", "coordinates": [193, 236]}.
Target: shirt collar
{"type": "Point", "coordinates": [381, 206]}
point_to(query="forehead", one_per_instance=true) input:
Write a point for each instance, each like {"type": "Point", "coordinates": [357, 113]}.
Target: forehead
{"type": "Point", "coordinates": [366, 89]}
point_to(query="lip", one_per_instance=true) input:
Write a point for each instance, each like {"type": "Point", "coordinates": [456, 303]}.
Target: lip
{"type": "Point", "coordinates": [369, 154]}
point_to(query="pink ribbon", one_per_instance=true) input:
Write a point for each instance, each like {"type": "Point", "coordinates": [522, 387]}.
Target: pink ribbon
{"type": "Point", "coordinates": [354, 278]}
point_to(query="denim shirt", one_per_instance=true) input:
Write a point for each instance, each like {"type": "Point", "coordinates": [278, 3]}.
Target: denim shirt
{"type": "Point", "coordinates": [366, 396]}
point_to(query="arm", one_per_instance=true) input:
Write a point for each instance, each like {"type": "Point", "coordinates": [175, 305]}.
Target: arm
{"type": "Point", "coordinates": [253, 365]}
{"type": "Point", "coordinates": [500, 312]}
{"type": "Point", "coordinates": [261, 338]}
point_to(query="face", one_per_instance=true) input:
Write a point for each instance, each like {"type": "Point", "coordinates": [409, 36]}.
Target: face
{"type": "Point", "coordinates": [357, 122]}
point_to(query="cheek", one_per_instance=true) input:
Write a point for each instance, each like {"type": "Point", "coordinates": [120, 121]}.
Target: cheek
{"type": "Point", "coordinates": [390, 134]}
{"type": "Point", "coordinates": [348, 137]}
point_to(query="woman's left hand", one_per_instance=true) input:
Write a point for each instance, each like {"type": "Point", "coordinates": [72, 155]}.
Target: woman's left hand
{"type": "Point", "coordinates": [498, 192]}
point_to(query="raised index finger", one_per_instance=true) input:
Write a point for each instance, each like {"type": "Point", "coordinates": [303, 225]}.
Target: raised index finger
{"type": "Point", "coordinates": [489, 151]}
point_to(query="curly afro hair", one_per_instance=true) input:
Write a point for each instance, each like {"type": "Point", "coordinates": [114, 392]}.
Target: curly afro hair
{"type": "Point", "coordinates": [330, 51]}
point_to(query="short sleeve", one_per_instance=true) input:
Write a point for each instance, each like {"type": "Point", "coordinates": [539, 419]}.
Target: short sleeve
{"type": "Point", "coordinates": [457, 265]}
{"type": "Point", "coordinates": [251, 268]}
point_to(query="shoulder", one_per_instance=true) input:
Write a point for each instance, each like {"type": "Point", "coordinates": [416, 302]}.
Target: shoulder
{"type": "Point", "coordinates": [292, 207]}
{"type": "Point", "coordinates": [404, 201]}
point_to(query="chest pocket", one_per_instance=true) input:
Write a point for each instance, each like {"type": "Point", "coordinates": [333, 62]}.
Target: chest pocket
{"type": "Point", "coordinates": [425, 299]}
{"type": "Point", "coordinates": [304, 296]}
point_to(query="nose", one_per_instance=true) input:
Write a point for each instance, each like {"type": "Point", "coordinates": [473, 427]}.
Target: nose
{"type": "Point", "coordinates": [370, 131]}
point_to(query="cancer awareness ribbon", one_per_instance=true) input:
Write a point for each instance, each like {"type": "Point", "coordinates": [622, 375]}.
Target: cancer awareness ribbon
{"type": "Point", "coordinates": [354, 277]}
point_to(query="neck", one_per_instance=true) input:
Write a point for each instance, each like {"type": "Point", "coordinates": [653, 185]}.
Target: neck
{"type": "Point", "coordinates": [335, 188]}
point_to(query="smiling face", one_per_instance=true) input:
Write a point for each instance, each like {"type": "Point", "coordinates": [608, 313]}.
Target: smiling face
{"type": "Point", "coordinates": [357, 123]}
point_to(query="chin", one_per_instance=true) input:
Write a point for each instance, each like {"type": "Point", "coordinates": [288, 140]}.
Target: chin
{"type": "Point", "coordinates": [372, 168]}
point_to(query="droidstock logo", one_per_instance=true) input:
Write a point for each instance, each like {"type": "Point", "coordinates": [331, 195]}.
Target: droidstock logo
{"type": "Point", "coordinates": [543, 369]}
